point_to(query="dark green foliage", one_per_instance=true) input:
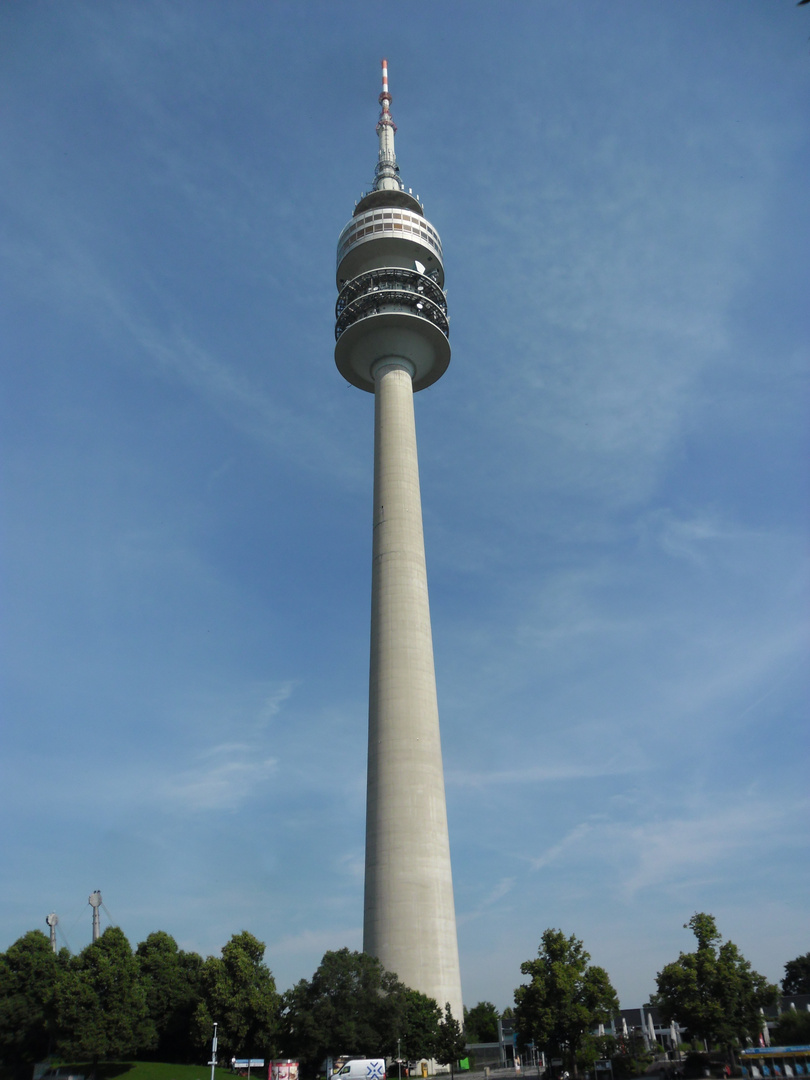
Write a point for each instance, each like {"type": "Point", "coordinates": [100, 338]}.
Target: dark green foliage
{"type": "Point", "coordinates": [28, 975]}
{"type": "Point", "coordinates": [797, 976]}
{"type": "Point", "coordinates": [566, 999]}
{"type": "Point", "coordinates": [417, 1025]}
{"type": "Point", "coordinates": [632, 1058]}
{"type": "Point", "coordinates": [353, 1006]}
{"type": "Point", "coordinates": [481, 1023]}
{"type": "Point", "coordinates": [696, 1064]}
{"type": "Point", "coordinates": [713, 991]}
{"type": "Point", "coordinates": [172, 980]}
{"type": "Point", "coordinates": [451, 1043]}
{"type": "Point", "coordinates": [101, 1002]}
{"type": "Point", "coordinates": [239, 993]}
{"type": "Point", "coordinates": [793, 1029]}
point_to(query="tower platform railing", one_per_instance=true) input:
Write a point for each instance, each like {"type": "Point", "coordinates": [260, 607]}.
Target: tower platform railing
{"type": "Point", "coordinates": [391, 289]}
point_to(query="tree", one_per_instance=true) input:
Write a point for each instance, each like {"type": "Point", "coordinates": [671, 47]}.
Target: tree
{"type": "Point", "coordinates": [481, 1023]}
{"type": "Point", "coordinates": [418, 1023]}
{"type": "Point", "coordinates": [792, 1029]}
{"type": "Point", "coordinates": [630, 1053]}
{"type": "Point", "coordinates": [352, 1005]}
{"type": "Point", "coordinates": [239, 993]}
{"type": "Point", "coordinates": [451, 1045]}
{"type": "Point", "coordinates": [172, 980]}
{"type": "Point", "coordinates": [797, 976]}
{"type": "Point", "coordinates": [101, 1002]}
{"type": "Point", "coordinates": [566, 999]}
{"type": "Point", "coordinates": [713, 991]}
{"type": "Point", "coordinates": [29, 972]}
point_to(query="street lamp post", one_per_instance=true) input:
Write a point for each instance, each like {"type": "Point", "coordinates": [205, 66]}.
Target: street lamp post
{"type": "Point", "coordinates": [213, 1061]}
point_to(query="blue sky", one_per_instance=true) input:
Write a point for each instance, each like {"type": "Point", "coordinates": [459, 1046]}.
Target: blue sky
{"type": "Point", "coordinates": [614, 471]}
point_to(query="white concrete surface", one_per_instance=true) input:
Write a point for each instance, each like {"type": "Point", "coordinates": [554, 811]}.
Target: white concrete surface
{"type": "Point", "coordinates": [409, 919]}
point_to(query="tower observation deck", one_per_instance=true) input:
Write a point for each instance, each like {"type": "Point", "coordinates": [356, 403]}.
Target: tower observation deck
{"type": "Point", "coordinates": [391, 338]}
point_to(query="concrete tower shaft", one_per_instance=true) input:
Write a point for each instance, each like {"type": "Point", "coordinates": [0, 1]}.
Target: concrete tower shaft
{"type": "Point", "coordinates": [409, 913]}
{"type": "Point", "coordinates": [391, 339]}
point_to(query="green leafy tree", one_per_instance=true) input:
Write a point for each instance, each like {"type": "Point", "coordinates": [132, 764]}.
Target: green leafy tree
{"type": "Point", "coordinates": [29, 972]}
{"type": "Point", "coordinates": [792, 1029]}
{"type": "Point", "coordinates": [100, 1000]}
{"type": "Point", "coordinates": [713, 992]}
{"type": "Point", "coordinates": [172, 980]}
{"type": "Point", "coordinates": [797, 976]}
{"type": "Point", "coordinates": [481, 1023]}
{"type": "Point", "coordinates": [239, 993]}
{"type": "Point", "coordinates": [630, 1054]}
{"type": "Point", "coordinates": [351, 1005]}
{"type": "Point", "coordinates": [564, 1001]}
{"type": "Point", "coordinates": [418, 1023]}
{"type": "Point", "coordinates": [451, 1045]}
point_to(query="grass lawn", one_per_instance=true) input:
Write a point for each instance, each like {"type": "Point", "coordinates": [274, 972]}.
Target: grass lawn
{"type": "Point", "coordinates": [151, 1070]}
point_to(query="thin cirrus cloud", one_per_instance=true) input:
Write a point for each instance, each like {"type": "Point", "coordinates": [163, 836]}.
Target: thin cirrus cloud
{"type": "Point", "coordinates": [224, 778]}
{"type": "Point", "coordinates": [648, 855]}
{"type": "Point", "coordinates": [549, 772]}
{"type": "Point", "coordinates": [490, 900]}
{"type": "Point", "coordinates": [675, 851]}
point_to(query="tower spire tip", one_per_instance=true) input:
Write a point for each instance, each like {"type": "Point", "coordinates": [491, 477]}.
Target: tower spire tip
{"type": "Point", "coordinates": [387, 172]}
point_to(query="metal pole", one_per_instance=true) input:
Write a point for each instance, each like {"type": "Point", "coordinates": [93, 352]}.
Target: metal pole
{"type": "Point", "coordinates": [213, 1061]}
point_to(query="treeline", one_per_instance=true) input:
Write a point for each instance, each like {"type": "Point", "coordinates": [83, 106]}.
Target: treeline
{"type": "Point", "coordinates": [712, 992]}
{"type": "Point", "coordinates": [160, 1003]}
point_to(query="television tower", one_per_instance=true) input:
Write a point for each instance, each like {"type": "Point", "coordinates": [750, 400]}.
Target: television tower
{"type": "Point", "coordinates": [391, 335]}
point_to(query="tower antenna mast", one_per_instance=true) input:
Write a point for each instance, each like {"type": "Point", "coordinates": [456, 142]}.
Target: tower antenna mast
{"type": "Point", "coordinates": [386, 174]}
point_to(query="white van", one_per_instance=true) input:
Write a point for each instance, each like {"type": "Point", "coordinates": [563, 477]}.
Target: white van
{"type": "Point", "coordinates": [362, 1069]}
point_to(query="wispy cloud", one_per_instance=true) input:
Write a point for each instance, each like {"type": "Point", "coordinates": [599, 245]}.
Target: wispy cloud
{"type": "Point", "coordinates": [352, 864]}
{"type": "Point", "coordinates": [63, 253]}
{"type": "Point", "coordinates": [224, 778]}
{"type": "Point", "coordinates": [316, 942]}
{"type": "Point", "coordinates": [675, 850]}
{"type": "Point", "coordinates": [571, 840]}
{"type": "Point", "coordinates": [501, 890]}
{"type": "Point", "coordinates": [271, 706]}
{"type": "Point", "coordinates": [622, 764]}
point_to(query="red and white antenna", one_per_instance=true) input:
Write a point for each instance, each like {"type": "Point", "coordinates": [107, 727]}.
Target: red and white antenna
{"type": "Point", "coordinates": [386, 119]}
{"type": "Point", "coordinates": [386, 173]}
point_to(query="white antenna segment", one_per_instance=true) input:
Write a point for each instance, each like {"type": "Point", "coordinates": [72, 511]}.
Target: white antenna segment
{"type": "Point", "coordinates": [51, 921]}
{"type": "Point", "coordinates": [94, 901]}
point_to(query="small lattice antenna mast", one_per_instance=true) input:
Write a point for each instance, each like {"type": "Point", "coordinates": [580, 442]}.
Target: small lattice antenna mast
{"type": "Point", "coordinates": [51, 922]}
{"type": "Point", "coordinates": [95, 903]}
